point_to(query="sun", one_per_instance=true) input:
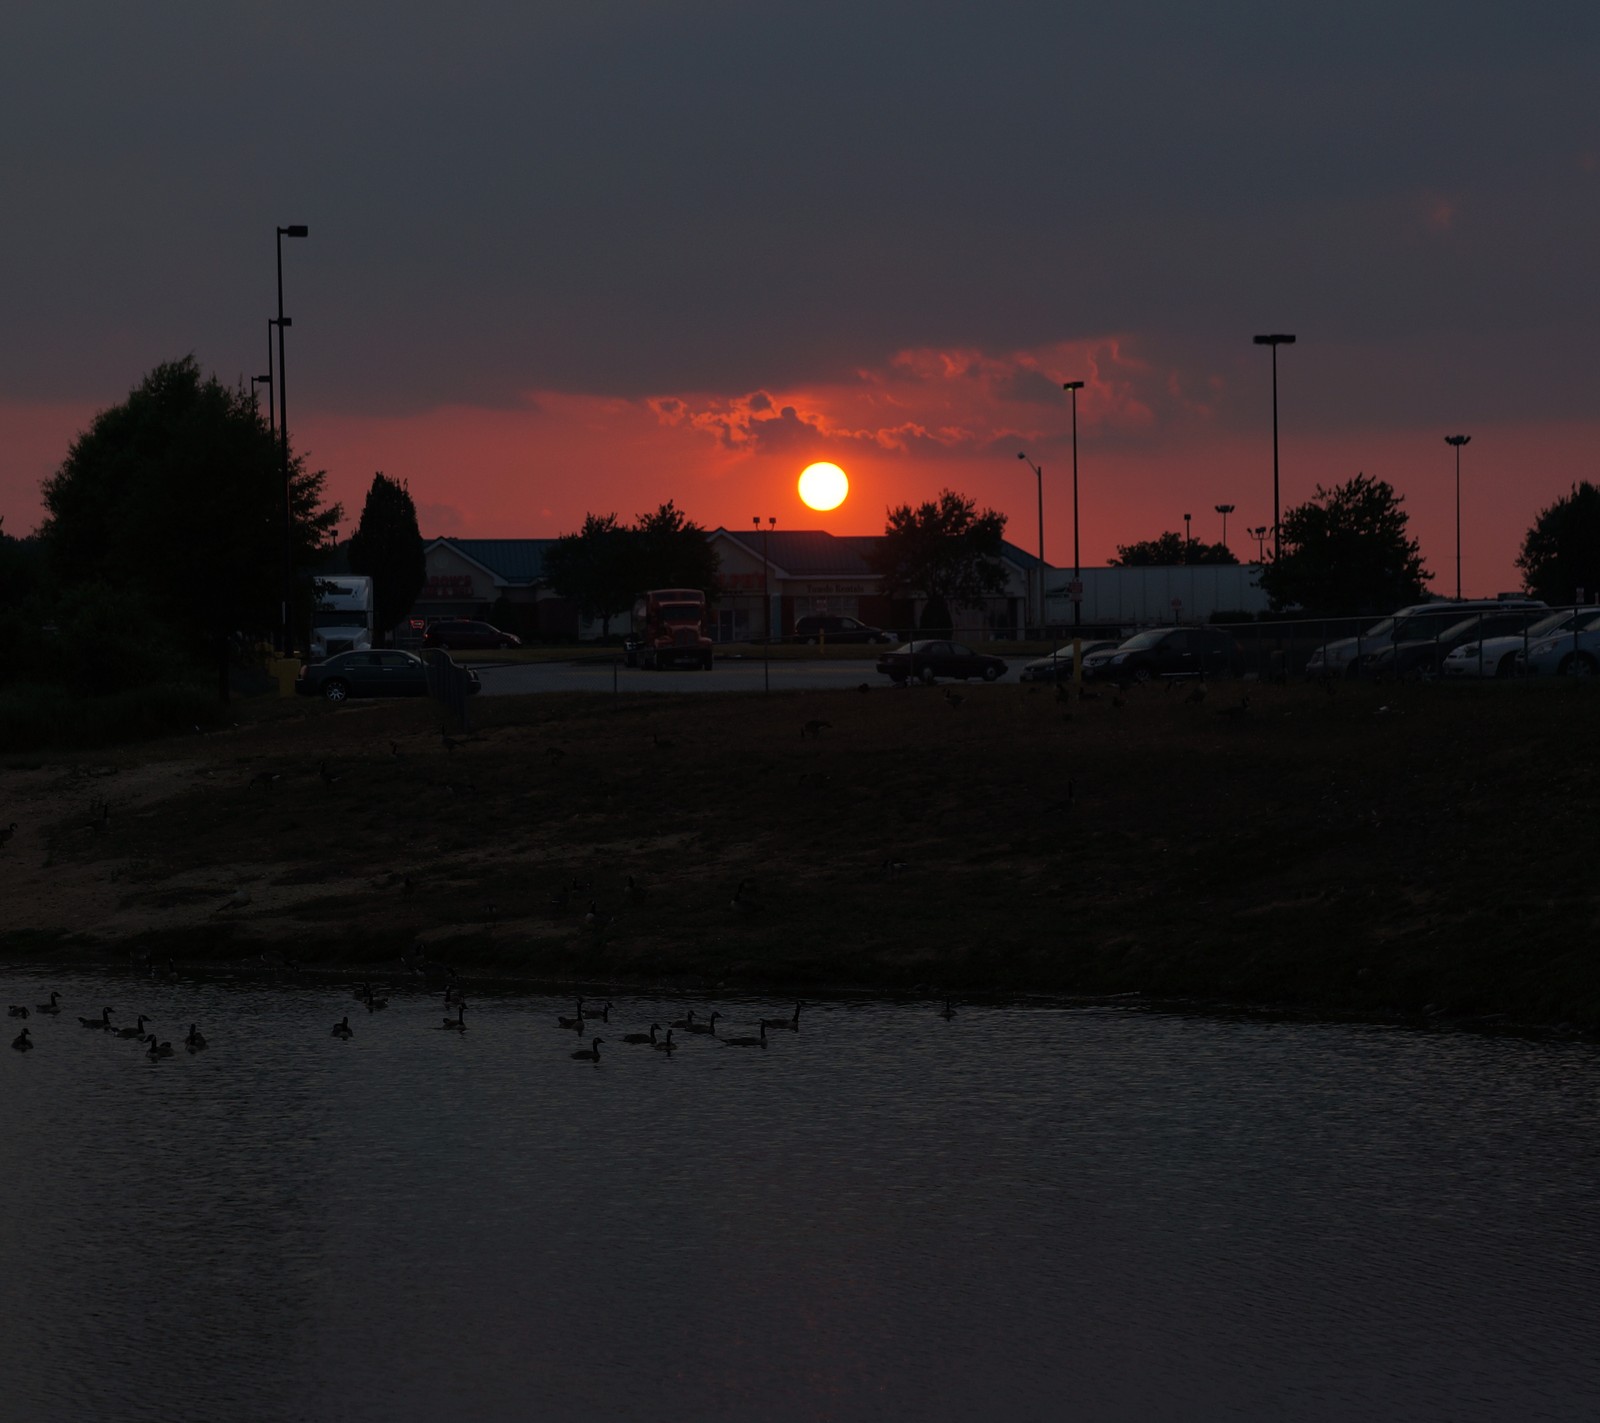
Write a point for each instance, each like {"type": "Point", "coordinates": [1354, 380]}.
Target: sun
{"type": "Point", "coordinates": [823, 486]}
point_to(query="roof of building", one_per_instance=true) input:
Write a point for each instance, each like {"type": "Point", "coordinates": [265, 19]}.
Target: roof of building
{"type": "Point", "coordinates": [511, 560]}
{"type": "Point", "coordinates": [809, 553]}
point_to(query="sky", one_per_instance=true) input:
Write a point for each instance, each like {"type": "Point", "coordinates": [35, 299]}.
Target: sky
{"type": "Point", "coordinates": [568, 259]}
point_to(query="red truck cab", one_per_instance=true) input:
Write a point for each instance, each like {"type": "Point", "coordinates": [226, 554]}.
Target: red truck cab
{"type": "Point", "coordinates": [669, 630]}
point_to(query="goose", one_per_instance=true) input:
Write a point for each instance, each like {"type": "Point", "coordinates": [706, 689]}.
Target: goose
{"type": "Point", "coordinates": [363, 993]}
{"type": "Point", "coordinates": [136, 1032]}
{"type": "Point", "coordinates": [457, 1024]}
{"type": "Point", "coordinates": [687, 1023]}
{"type": "Point", "coordinates": [707, 1027]}
{"type": "Point", "coordinates": [739, 904]}
{"type": "Point", "coordinates": [22, 1042]}
{"type": "Point", "coordinates": [571, 1022]}
{"type": "Point", "coordinates": [375, 1004]}
{"type": "Point", "coordinates": [947, 1012]}
{"type": "Point", "coordinates": [51, 1007]}
{"type": "Point", "coordinates": [666, 1044]}
{"type": "Point", "coordinates": [5, 838]}
{"type": "Point", "coordinates": [590, 1053]}
{"type": "Point", "coordinates": [649, 1037]}
{"type": "Point", "coordinates": [196, 1040]}
{"type": "Point", "coordinates": [157, 1049]}
{"type": "Point", "coordinates": [342, 1028]}
{"type": "Point", "coordinates": [603, 1014]}
{"type": "Point", "coordinates": [790, 1024]}
{"type": "Point", "coordinates": [747, 1042]}
{"type": "Point", "coordinates": [329, 778]}
{"type": "Point", "coordinates": [103, 1022]}
{"type": "Point", "coordinates": [17, 1010]}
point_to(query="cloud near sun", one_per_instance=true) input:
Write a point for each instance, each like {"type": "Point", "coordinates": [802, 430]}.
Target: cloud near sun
{"type": "Point", "coordinates": [932, 400]}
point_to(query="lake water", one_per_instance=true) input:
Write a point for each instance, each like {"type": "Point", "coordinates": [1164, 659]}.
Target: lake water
{"type": "Point", "coordinates": [1032, 1212]}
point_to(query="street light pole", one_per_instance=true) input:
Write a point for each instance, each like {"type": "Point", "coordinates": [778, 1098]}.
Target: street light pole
{"type": "Point", "coordinates": [1275, 340]}
{"type": "Point", "coordinates": [294, 230]}
{"type": "Point", "coordinates": [766, 607]}
{"type": "Point", "coordinates": [1458, 441]}
{"type": "Point", "coordinates": [1224, 510]}
{"type": "Point", "coordinates": [272, 416]}
{"type": "Point", "coordinates": [1077, 574]}
{"type": "Point", "coordinates": [1038, 472]}
{"type": "Point", "coordinates": [1259, 534]}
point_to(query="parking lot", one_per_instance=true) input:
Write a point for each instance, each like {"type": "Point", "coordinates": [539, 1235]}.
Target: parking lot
{"type": "Point", "coordinates": [728, 675]}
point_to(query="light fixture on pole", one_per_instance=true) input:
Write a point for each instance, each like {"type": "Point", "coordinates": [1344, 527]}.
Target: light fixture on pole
{"type": "Point", "coordinates": [1185, 538]}
{"type": "Point", "coordinates": [294, 230]}
{"type": "Point", "coordinates": [1259, 534]}
{"type": "Point", "coordinates": [1275, 340]}
{"type": "Point", "coordinates": [1458, 441]}
{"type": "Point", "coordinates": [255, 400]}
{"type": "Point", "coordinates": [1224, 510]}
{"type": "Point", "coordinates": [1074, 386]}
{"type": "Point", "coordinates": [1038, 473]}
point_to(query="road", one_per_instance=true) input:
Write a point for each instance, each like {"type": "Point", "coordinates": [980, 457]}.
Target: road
{"type": "Point", "coordinates": [515, 679]}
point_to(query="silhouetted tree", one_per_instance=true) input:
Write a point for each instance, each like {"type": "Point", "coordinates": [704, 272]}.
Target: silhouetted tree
{"type": "Point", "coordinates": [1345, 552]}
{"type": "Point", "coordinates": [1168, 550]}
{"type": "Point", "coordinates": [175, 499]}
{"type": "Point", "coordinates": [595, 567]}
{"type": "Point", "coordinates": [1561, 552]}
{"type": "Point", "coordinates": [387, 548]}
{"type": "Point", "coordinates": [671, 551]}
{"type": "Point", "coordinates": [944, 549]}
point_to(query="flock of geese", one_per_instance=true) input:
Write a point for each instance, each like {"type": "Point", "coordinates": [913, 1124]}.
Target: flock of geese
{"type": "Point", "coordinates": [155, 1049]}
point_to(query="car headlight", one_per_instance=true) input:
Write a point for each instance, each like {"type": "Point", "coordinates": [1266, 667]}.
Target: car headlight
{"type": "Point", "coordinates": [1119, 657]}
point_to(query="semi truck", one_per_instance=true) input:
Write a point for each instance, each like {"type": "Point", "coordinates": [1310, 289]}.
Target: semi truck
{"type": "Point", "coordinates": [341, 618]}
{"type": "Point", "coordinates": [669, 630]}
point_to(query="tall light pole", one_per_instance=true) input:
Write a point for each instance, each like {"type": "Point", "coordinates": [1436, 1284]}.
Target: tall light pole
{"type": "Point", "coordinates": [272, 418]}
{"type": "Point", "coordinates": [1224, 510]}
{"type": "Point", "coordinates": [1458, 441]}
{"type": "Point", "coordinates": [1038, 471]}
{"type": "Point", "coordinates": [1275, 340]}
{"type": "Point", "coordinates": [294, 230]}
{"type": "Point", "coordinates": [1077, 575]}
{"type": "Point", "coordinates": [766, 607]}
{"type": "Point", "coordinates": [1259, 534]}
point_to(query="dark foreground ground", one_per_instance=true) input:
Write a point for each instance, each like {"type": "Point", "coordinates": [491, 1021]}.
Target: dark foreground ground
{"type": "Point", "coordinates": [1370, 850]}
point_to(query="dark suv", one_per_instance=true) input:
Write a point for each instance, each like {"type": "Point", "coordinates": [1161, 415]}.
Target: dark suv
{"type": "Point", "coordinates": [465, 632]}
{"type": "Point", "coordinates": [1167, 652]}
{"type": "Point", "coordinates": [824, 627]}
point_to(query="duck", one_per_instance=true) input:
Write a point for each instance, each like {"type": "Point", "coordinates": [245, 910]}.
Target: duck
{"type": "Point", "coordinates": [666, 1044]}
{"type": "Point", "coordinates": [103, 1022]}
{"type": "Point", "coordinates": [788, 1024]}
{"type": "Point", "coordinates": [590, 1053]}
{"type": "Point", "coordinates": [136, 1032]}
{"type": "Point", "coordinates": [342, 1028]}
{"type": "Point", "coordinates": [686, 1023]}
{"type": "Point", "coordinates": [22, 1042]}
{"type": "Point", "coordinates": [457, 1024]}
{"type": "Point", "coordinates": [196, 1040]}
{"type": "Point", "coordinates": [707, 1027]}
{"type": "Point", "coordinates": [157, 1050]}
{"type": "Point", "coordinates": [747, 1041]}
{"type": "Point", "coordinates": [51, 1007]}
{"type": "Point", "coordinates": [17, 1010]}
{"type": "Point", "coordinates": [649, 1037]}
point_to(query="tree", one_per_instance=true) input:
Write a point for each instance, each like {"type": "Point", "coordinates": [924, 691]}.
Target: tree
{"type": "Point", "coordinates": [1171, 549]}
{"type": "Point", "coordinates": [1561, 552]}
{"type": "Point", "coordinates": [387, 548]}
{"type": "Point", "coordinates": [672, 551]}
{"type": "Point", "coordinates": [175, 499]}
{"type": "Point", "coordinates": [594, 568]}
{"type": "Point", "coordinates": [944, 549]}
{"type": "Point", "coordinates": [1345, 552]}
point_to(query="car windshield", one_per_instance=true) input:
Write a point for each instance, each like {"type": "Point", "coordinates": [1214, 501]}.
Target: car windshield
{"type": "Point", "coordinates": [1144, 640]}
{"type": "Point", "coordinates": [680, 612]}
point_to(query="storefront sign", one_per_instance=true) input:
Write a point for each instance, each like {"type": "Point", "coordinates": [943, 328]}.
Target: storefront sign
{"type": "Point", "coordinates": [448, 585]}
{"type": "Point", "coordinates": [857, 588]}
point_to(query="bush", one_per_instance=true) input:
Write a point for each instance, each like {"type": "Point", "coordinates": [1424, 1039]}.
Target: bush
{"type": "Point", "coordinates": [35, 716]}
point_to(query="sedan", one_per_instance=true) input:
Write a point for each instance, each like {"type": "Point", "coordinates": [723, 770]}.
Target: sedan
{"type": "Point", "coordinates": [1497, 656]}
{"type": "Point", "coordinates": [1057, 667]}
{"type": "Point", "coordinates": [382, 673]}
{"type": "Point", "coordinates": [1167, 653]}
{"type": "Point", "coordinates": [932, 659]}
{"type": "Point", "coordinates": [1571, 654]}
{"type": "Point", "coordinates": [465, 632]}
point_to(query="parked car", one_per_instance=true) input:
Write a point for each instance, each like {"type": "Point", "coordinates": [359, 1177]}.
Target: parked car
{"type": "Point", "coordinates": [937, 658]}
{"type": "Point", "coordinates": [1348, 656]}
{"type": "Point", "coordinates": [1497, 656]}
{"type": "Point", "coordinates": [1422, 656]}
{"type": "Point", "coordinates": [383, 673]}
{"type": "Point", "coordinates": [825, 628]}
{"type": "Point", "coordinates": [451, 633]}
{"type": "Point", "coordinates": [1058, 665]}
{"type": "Point", "coordinates": [1167, 653]}
{"type": "Point", "coordinates": [1569, 654]}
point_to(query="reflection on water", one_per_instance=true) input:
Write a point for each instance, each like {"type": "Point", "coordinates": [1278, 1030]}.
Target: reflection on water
{"type": "Point", "coordinates": [1035, 1212]}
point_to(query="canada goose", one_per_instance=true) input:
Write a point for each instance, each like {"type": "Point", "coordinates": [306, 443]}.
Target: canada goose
{"type": "Point", "coordinates": [51, 1007]}
{"type": "Point", "coordinates": [363, 992]}
{"type": "Point", "coordinates": [103, 1022]}
{"type": "Point", "coordinates": [603, 1014]}
{"type": "Point", "coordinates": [457, 1024]}
{"type": "Point", "coordinates": [264, 779]}
{"type": "Point", "coordinates": [329, 778]}
{"type": "Point", "coordinates": [157, 1049]}
{"type": "Point", "coordinates": [666, 1044]}
{"type": "Point", "coordinates": [196, 1041]}
{"type": "Point", "coordinates": [136, 1032]}
{"type": "Point", "coordinates": [5, 837]}
{"type": "Point", "coordinates": [747, 1042]}
{"type": "Point", "coordinates": [791, 1024]}
{"type": "Point", "coordinates": [377, 1005]}
{"type": "Point", "coordinates": [685, 1022]}
{"type": "Point", "coordinates": [593, 918]}
{"type": "Point", "coordinates": [22, 1042]}
{"type": "Point", "coordinates": [947, 1012]}
{"type": "Point", "coordinates": [342, 1028]}
{"type": "Point", "coordinates": [571, 1022]}
{"type": "Point", "coordinates": [709, 1026]}
{"type": "Point", "coordinates": [953, 697]}
{"type": "Point", "coordinates": [649, 1037]}
{"type": "Point", "coordinates": [17, 1010]}
{"type": "Point", "coordinates": [815, 728]}
{"type": "Point", "coordinates": [739, 904]}
{"type": "Point", "coordinates": [590, 1053]}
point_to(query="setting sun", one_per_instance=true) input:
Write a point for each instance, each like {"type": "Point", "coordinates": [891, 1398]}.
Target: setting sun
{"type": "Point", "coordinates": [823, 486]}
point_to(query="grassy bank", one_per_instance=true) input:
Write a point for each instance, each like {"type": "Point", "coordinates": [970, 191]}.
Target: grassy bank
{"type": "Point", "coordinates": [1372, 850]}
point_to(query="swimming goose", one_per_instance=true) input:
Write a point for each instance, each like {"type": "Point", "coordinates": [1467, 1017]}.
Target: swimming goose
{"type": "Point", "coordinates": [789, 1024]}
{"type": "Point", "coordinates": [649, 1037]}
{"type": "Point", "coordinates": [747, 1042]}
{"type": "Point", "coordinates": [196, 1040]}
{"type": "Point", "coordinates": [157, 1049]}
{"type": "Point", "coordinates": [22, 1042]}
{"type": "Point", "coordinates": [376, 1005]}
{"type": "Point", "coordinates": [686, 1022]}
{"type": "Point", "coordinates": [103, 1022]}
{"type": "Point", "coordinates": [590, 1053]}
{"type": "Point", "coordinates": [457, 1024]}
{"type": "Point", "coordinates": [17, 1010]}
{"type": "Point", "coordinates": [709, 1026]}
{"type": "Point", "coordinates": [51, 1007]}
{"type": "Point", "coordinates": [342, 1028]}
{"type": "Point", "coordinates": [571, 1022]}
{"type": "Point", "coordinates": [666, 1044]}
{"type": "Point", "coordinates": [947, 1012]}
{"type": "Point", "coordinates": [137, 1032]}
{"type": "Point", "coordinates": [739, 904]}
